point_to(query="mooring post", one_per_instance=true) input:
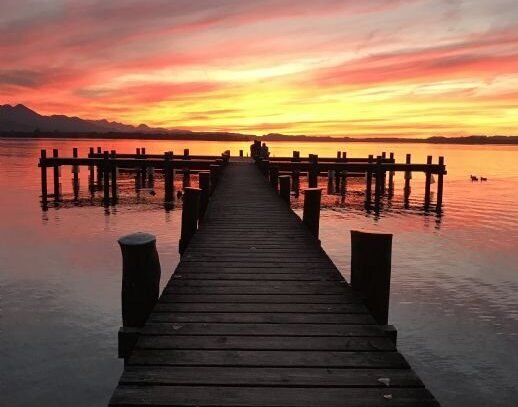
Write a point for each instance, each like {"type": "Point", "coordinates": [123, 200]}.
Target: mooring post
{"type": "Point", "coordinates": [56, 171]}
{"type": "Point", "coordinates": [383, 173]}
{"type": "Point", "coordinates": [391, 177]}
{"type": "Point", "coordinates": [284, 191]}
{"type": "Point", "coordinates": [186, 154]}
{"type": "Point", "coordinates": [241, 153]}
{"type": "Point", "coordinates": [428, 181]}
{"type": "Point", "coordinates": [204, 184]}
{"type": "Point", "coordinates": [371, 255]}
{"type": "Point", "coordinates": [106, 178]}
{"type": "Point", "coordinates": [186, 181]}
{"type": "Point", "coordinates": [43, 167]}
{"type": "Point", "coordinates": [274, 177]}
{"type": "Point", "coordinates": [113, 169]}
{"type": "Point", "coordinates": [143, 168]}
{"type": "Point", "coordinates": [338, 155]}
{"type": "Point", "coordinates": [190, 214]}
{"type": "Point", "coordinates": [140, 286]}
{"type": "Point", "coordinates": [75, 178]}
{"type": "Point", "coordinates": [214, 174]}
{"type": "Point", "coordinates": [368, 182]}
{"type": "Point", "coordinates": [311, 214]}
{"type": "Point", "coordinates": [91, 176]}
{"type": "Point", "coordinates": [313, 171]}
{"type": "Point", "coordinates": [378, 190]}
{"type": "Point", "coordinates": [99, 170]}
{"type": "Point", "coordinates": [168, 182]}
{"type": "Point", "coordinates": [408, 177]}
{"type": "Point", "coordinates": [440, 186]}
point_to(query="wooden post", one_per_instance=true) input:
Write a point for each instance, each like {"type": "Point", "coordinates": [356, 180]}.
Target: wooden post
{"type": "Point", "coordinates": [330, 178]}
{"type": "Point", "coordinates": [186, 182]}
{"type": "Point", "coordinates": [43, 167]}
{"type": "Point", "coordinates": [311, 214]}
{"type": "Point", "coordinates": [91, 175]}
{"type": "Point", "coordinates": [379, 180]}
{"type": "Point", "coordinates": [186, 154]}
{"type": "Point", "coordinates": [214, 174]}
{"type": "Point", "coordinates": [343, 183]}
{"type": "Point", "coordinates": [368, 181]}
{"type": "Point", "coordinates": [113, 169]}
{"type": "Point", "coordinates": [408, 177]}
{"type": "Point", "coordinates": [313, 171]}
{"type": "Point", "coordinates": [75, 177]}
{"type": "Point", "coordinates": [338, 155]}
{"type": "Point", "coordinates": [140, 286]}
{"type": "Point", "coordinates": [274, 177]}
{"type": "Point", "coordinates": [168, 178]}
{"type": "Point", "coordinates": [284, 182]}
{"type": "Point", "coordinates": [296, 182]}
{"type": "Point", "coordinates": [204, 184]}
{"type": "Point", "coordinates": [241, 153]}
{"type": "Point", "coordinates": [428, 179]}
{"type": "Point", "coordinates": [56, 171]}
{"type": "Point", "coordinates": [370, 271]}
{"type": "Point", "coordinates": [440, 186]}
{"type": "Point", "coordinates": [391, 178]}
{"type": "Point", "coordinates": [143, 169]}
{"type": "Point", "coordinates": [106, 178]}
{"type": "Point", "coordinates": [190, 214]}
{"type": "Point", "coordinates": [99, 170]}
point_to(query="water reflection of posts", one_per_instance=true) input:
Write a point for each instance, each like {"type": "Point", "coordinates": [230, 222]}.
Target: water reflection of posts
{"type": "Point", "coordinates": [440, 181]}
{"type": "Point", "coordinates": [190, 214]}
{"type": "Point", "coordinates": [371, 255]}
{"type": "Point", "coordinates": [204, 184]}
{"type": "Point", "coordinates": [284, 192]}
{"type": "Point", "coordinates": [408, 177]}
{"type": "Point", "coordinates": [75, 178]}
{"type": "Point", "coordinates": [311, 214]}
{"type": "Point", "coordinates": [56, 171]}
{"type": "Point", "coordinates": [140, 286]}
{"type": "Point", "coordinates": [43, 166]}
{"type": "Point", "coordinates": [428, 180]}
{"type": "Point", "coordinates": [113, 169]}
{"type": "Point", "coordinates": [368, 182]}
{"type": "Point", "coordinates": [274, 177]}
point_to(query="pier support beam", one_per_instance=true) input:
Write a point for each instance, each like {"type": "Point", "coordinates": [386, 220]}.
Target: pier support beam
{"type": "Point", "coordinates": [57, 183]}
{"type": "Point", "coordinates": [75, 176]}
{"type": "Point", "coordinates": [113, 169]}
{"type": "Point", "coordinates": [311, 214]}
{"type": "Point", "coordinates": [427, 184]}
{"type": "Point", "coordinates": [408, 177]}
{"type": "Point", "coordinates": [440, 186]}
{"type": "Point", "coordinates": [190, 214]}
{"type": "Point", "coordinates": [43, 166]}
{"type": "Point", "coordinates": [368, 183]}
{"type": "Point", "coordinates": [140, 286]}
{"type": "Point", "coordinates": [313, 171]}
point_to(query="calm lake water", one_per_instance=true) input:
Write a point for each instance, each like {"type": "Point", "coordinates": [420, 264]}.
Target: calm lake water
{"type": "Point", "coordinates": [454, 278]}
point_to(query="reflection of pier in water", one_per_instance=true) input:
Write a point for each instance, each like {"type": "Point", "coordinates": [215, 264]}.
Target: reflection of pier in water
{"type": "Point", "coordinates": [342, 177]}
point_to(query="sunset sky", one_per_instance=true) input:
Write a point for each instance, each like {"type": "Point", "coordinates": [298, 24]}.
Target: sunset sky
{"type": "Point", "coordinates": [357, 68]}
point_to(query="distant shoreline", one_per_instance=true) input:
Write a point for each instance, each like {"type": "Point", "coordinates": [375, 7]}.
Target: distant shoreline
{"type": "Point", "coordinates": [222, 136]}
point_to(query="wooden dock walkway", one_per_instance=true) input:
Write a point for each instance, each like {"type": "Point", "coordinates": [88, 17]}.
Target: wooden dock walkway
{"type": "Point", "coordinates": [256, 314]}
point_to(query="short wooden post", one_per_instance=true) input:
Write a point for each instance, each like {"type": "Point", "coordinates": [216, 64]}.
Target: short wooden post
{"type": "Point", "coordinates": [106, 178]}
{"type": "Point", "coordinates": [368, 182]}
{"type": "Point", "coordinates": [440, 186]}
{"type": "Point", "coordinates": [311, 214]}
{"type": "Point", "coordinates": [214, 174]}
{"type": "Point", "coordinates": [186, 154]}
{"type": "Point", "coordinates": [140, 286]}
{"type": "Point", "coordinates": [408, 177]}
{"type": "Point", "coordinates": [113, 169]}
{"type": "Point", "coordinates": [143, 150]}
{"type": "Point", "coordinates": [428, 181]}
{"type": "Point", "coordinates": [274, 177]}
{"type": "Point", "coordinates": [56, 171]}
{"type": "Point", "coordinates": [190, 214]}
{"type": "Point", "coordinates": [186, 182]}
{"type": "Point", "coordinates": [313, 171]}
{"type": "Point", "coordinates": [204, 184]}
{"type": "Point", "coordinates": [284, 191]}
{"type": "Point", "coordinates": [241, 153]}
{"type": "Point", "coordinates": [371, 255]}
{"type": "Point", "coordinates": [43, 167]}
{"type": "Point", "coordinates": [168, 181]}
{"type": "Point", "coordinates": [338, 155]}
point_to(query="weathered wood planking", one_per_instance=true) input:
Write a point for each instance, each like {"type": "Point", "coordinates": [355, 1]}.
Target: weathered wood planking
{"type": "Point", "coordinates": [256, 314]}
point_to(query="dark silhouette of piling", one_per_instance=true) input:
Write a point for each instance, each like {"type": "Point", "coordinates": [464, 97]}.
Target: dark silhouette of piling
{"type": "Point", "coordinates": [43, 168]}
{"type": "Point", "coordinates": [56, 172]}
{"type": "Point", "coordinates": [311, 214]}
{"type": "Point", "coordinates": [204, 183]}
{"type": "Point", "coordinates": [440, 186]}
{"type": "Point", "coordinates": [190, 214]}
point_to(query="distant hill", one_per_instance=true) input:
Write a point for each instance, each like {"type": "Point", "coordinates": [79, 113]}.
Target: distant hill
{"type": "Point", "coordinates": [21, 119]}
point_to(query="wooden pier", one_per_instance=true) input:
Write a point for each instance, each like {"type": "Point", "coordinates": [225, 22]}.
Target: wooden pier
{"type": "Point", "coordinates": [256, 314]}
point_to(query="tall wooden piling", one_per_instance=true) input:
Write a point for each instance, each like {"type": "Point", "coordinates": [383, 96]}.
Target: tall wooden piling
{"type": "Point", "coordinates": [106, 178]}
{"type": "Point", "coordinates": [284, 190]}
{"type": "Point", "coordinates": [91, 175]}
{"type": "Point", "coordinates": [190, 214]}
{"type": "Point", "coordinates": [311, 214]}
{"type": "Point", "coordinates": [391, 179]}
{"type": "Point", "coordinates": [140, 286]}
{"type": "Point", "coordinates": [368, 183]}
{"type": "Point", "coordinates": [313, 171]}
{"type": "Point", "coordinates": [75, 175]}
{"type": "Point", "coordinates": [370, 275]}
{"type": "Point", "coordinates": [99, 170]}
{"type": "Point", "coordinates": [440, 186]}
{"type": "Point", "coordinates": [43, 168]}
{"type": "Point", "coordinates": [408, 177]}
{"type": "Point", "coordinates": [56, 173]}
{"type": "Point", "coordinates": [204, 185]}
{"type": "Point", "coordinates": [168, 178]}
{"type": "Point", "coordinates": [186, 177]}
{"type": "Point", "coordinates": [427, 184]}
{"type": "Point", "coordinates": [378, 189]}
{"type": "Point", "coordinates": [113, 169]}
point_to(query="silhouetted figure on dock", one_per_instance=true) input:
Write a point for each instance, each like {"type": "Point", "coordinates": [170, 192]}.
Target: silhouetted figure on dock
{"type": "Point", "coordinates": [265, 153]}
